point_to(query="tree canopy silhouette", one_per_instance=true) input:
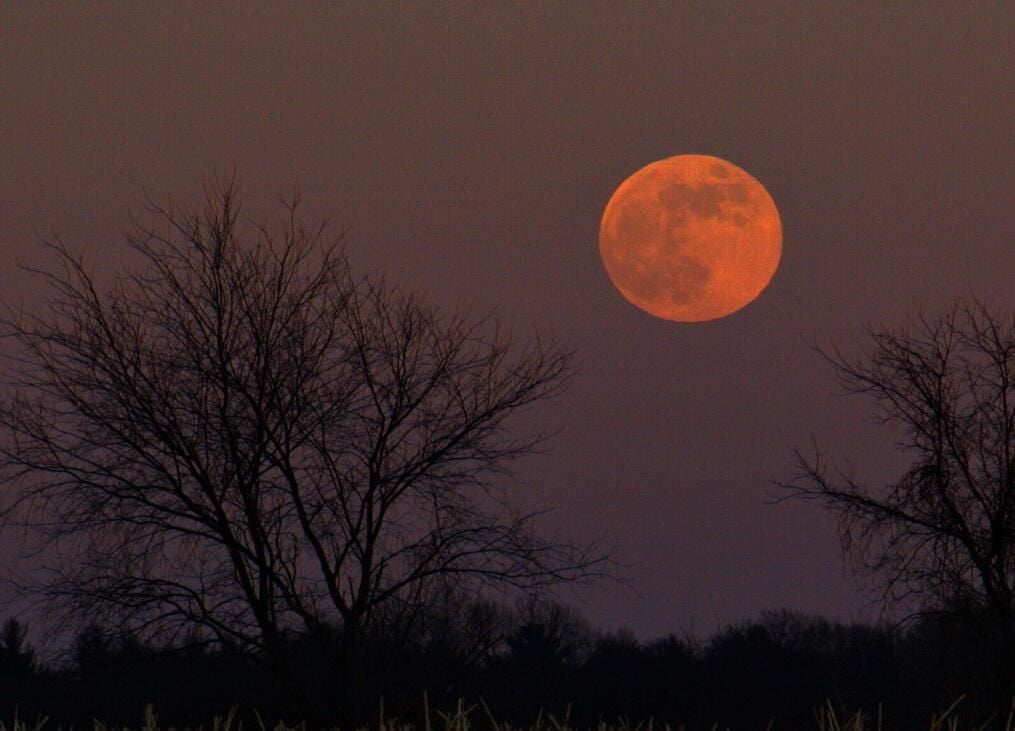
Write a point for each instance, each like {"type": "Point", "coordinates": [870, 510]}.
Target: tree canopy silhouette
{"type": "Point", "coordinates": [239, 436]}
{"type": "Point", "coordinates": [944, 530]}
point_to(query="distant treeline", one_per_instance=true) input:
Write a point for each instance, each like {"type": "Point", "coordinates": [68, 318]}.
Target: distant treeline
{"type": "Point", "coordinates": [783, 666]}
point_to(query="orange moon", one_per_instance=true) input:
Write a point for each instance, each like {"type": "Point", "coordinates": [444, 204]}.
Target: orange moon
{"type": "Point", "coordinates": [690, 238]}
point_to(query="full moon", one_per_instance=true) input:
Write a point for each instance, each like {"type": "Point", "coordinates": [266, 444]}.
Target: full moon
{"type": "Point", "coordinates": [690, 238]}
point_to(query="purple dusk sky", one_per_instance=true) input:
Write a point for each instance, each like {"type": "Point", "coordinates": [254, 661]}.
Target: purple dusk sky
{"type": "Point", "coordinates": [468, 149]}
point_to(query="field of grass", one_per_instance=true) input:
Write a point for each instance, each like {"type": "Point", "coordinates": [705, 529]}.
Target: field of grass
{"type": "Point", "coordinates": [459, 720]}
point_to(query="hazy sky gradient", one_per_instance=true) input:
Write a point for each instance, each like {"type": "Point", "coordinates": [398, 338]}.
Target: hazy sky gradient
{"type": "Point", "coordinates": [469, 149]}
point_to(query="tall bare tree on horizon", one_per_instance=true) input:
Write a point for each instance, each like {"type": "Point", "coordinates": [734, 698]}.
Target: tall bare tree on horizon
{"type": "Point", "coordinates": [943, 532]}
{"type": "Point", "coordinates": [242, 437]}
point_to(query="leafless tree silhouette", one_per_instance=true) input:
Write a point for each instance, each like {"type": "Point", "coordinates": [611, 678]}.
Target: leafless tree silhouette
{"type": "Point", "coordinates": [944, 531]}
{"type": "Point", "coordinates": [240, 436]}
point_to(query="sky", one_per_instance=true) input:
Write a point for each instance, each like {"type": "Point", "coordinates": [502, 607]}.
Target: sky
{"type": "Point", "coordinates": [468, 151]}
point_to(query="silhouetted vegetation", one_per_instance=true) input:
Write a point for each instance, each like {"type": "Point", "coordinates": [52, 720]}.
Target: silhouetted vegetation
{"type": "Point", "coordinates": [943, 532]}
{"type": "Point", "coordinates": [784, 666]}
{"type": "Point", "coordinates": [241, 439]}
{"type": "Point", "coordinates": [272, 475]}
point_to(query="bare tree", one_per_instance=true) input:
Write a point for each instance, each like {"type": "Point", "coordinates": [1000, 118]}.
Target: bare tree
{"type": "Point", "coordinates": [240, 436]}
{"type": "Point", "coordinates": [943, 532]}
